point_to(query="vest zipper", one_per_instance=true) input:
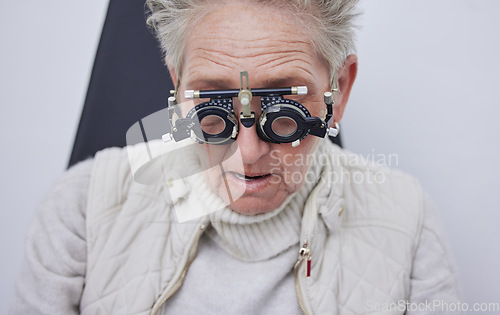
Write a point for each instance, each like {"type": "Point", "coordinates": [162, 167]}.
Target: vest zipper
{"type": "Point", "coordinates": [310, 213]}
{"type": "Point", "coordinates": [180, 280]}
{"type": "Point", "coordinates": [304, 254]}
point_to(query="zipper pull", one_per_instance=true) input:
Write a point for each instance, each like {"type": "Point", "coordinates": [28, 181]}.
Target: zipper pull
{"type": "Point", "coordinates": [305, 253]}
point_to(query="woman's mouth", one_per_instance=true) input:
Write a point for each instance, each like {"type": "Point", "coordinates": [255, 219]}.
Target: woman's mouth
{"type": "Point", "coordinates": [249, 178]}
{"type": "Point", "coordinates": [249, 183]}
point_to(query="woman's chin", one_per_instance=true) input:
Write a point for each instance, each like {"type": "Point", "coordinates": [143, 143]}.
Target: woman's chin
{"type": "Point", "coordinates": [248, 205]}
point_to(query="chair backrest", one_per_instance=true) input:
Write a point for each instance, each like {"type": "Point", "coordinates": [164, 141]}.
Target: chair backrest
{"type": "Point", "coordinates": [129, 81]}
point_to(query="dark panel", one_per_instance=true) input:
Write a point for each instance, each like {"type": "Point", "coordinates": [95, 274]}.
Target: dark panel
{"type": "Point", "coordinates": [128, 82]}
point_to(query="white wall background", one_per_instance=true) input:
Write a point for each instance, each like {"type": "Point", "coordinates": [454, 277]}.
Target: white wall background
{"type": "Point", "coordinates": [46, 56]}
{"type": "Point", "coordinates": [427, 90]}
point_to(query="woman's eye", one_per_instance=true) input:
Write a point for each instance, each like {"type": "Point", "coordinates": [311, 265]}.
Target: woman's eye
{"type": "Point", "coordinates": [213, 124]}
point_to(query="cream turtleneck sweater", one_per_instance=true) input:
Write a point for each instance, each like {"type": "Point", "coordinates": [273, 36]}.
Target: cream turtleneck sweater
{"type": "Point", "coordinates": [245, 263]}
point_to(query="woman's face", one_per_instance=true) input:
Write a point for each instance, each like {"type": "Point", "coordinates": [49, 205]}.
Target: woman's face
{"type": "Point", "coordinates": [276, 53]}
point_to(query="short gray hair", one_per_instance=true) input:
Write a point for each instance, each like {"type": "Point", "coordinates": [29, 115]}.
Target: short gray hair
{"type": "Point", "coordinates": [332, 28]}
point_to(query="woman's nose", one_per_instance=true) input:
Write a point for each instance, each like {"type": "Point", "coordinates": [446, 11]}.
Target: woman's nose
{"type": "Point", "coordinates": [252, 148]}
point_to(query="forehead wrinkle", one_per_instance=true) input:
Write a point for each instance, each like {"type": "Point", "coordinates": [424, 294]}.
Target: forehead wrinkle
{"type": "Point", "coordinates": [290, 56]}
{"type": "Point", "coordinates": [205, 57]}
{"type": "Point", "coordinates": [299, 62]}
{"type": "Point", "coordinates": [273, 41]}
{"type": "Point", "coordinates": [272, 59]}
{"type": "Point", "coordinates": [247, 52]}
{"type": "Point", "coordinates": [280, 64]}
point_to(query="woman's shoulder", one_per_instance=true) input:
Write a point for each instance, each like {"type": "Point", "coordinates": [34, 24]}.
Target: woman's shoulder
{"type": "Point", "coordinates": [376, 193]}
{"type": "Point", "coordinates": [71, 187]}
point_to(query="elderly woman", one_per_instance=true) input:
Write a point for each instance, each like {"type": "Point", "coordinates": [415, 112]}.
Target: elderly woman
{"type": "Point", "coordinates": [254, 212]}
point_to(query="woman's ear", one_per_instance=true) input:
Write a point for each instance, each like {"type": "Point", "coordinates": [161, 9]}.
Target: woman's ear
{"type": "Point", "coordinates": [346, 76]}
{"type": "Point", "coordinates": [171, 71]}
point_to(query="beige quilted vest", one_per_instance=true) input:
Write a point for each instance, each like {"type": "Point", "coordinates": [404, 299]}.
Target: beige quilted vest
{"type": "Point", "coordinates": [361, 232]}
